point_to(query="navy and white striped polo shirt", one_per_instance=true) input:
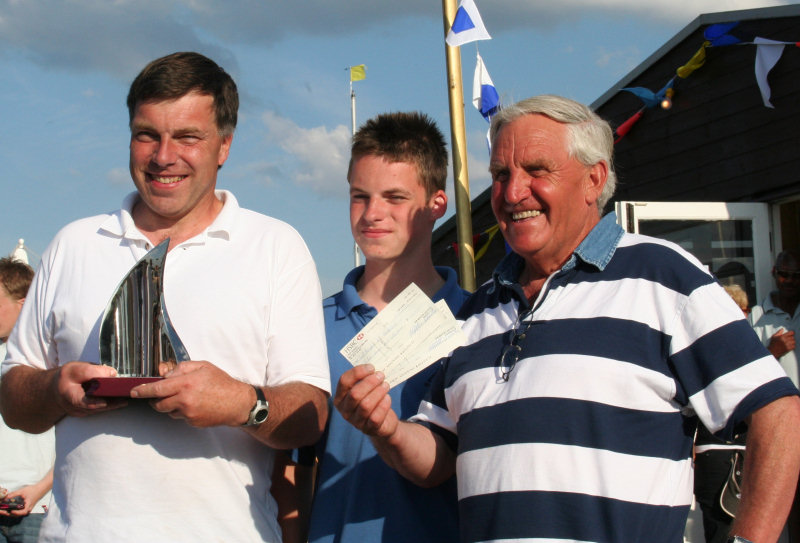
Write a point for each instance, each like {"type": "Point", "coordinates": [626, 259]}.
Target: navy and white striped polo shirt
{"type": "Point", "coordinates": [590, 438]}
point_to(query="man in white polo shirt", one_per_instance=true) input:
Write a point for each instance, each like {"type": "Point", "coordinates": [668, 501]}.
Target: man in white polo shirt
{"type": "Point", "coordinates": [193, 463]}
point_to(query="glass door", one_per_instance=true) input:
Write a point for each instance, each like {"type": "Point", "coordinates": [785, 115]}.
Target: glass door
{"type": "Point", "coordinates": [731, 239]}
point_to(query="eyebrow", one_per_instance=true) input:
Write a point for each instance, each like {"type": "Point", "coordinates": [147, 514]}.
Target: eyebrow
{"type": "Point", "coordinates": [182, 131]}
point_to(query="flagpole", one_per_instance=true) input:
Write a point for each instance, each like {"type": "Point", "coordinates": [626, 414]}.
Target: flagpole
{"type": "Point", "coordinates": [356, 254]}
{"type": "Point", "coordinates": [466, 252]}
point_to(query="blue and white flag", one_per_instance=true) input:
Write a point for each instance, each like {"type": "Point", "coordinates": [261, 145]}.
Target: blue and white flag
{"type": "Point", "coordinates": [467, 25]}
{"type": "Point", "coordinates": [484, 94]}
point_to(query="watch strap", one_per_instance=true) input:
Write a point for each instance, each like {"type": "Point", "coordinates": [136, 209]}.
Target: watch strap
{"type": "Point", "coordinates": [260, 411]}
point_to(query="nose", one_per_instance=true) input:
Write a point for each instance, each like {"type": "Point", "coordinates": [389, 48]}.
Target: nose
{"type": "Point", "coordinates": [518, 187]}
{"type": "Point", "coordinates": [165, 153]}
{"type": "Point", "coordinates": [374, 210]}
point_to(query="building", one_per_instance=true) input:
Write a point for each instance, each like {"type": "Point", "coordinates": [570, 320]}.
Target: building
{"type": "Point", "coordinates": [718, 172]}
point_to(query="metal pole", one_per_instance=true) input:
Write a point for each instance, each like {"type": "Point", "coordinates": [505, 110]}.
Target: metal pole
{"type": "Point", "coordinates": [356, 254]}
{"type": "Point", "coordinates": [466, 252]}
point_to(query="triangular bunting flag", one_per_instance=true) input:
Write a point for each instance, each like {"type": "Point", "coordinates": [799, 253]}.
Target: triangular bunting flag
{"type": "Point", "coordinates": [467, 25]}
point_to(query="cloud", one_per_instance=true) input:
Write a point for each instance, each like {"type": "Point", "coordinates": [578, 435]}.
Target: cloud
{"type": "Point", "coordinates": [622, 60]}
{"type": "Point", "coordinates": [317, 157]}
{"type": "Point", "coordinates": [119, 177]}
{"type": "Point", "coordinates": [120, 36]}
{"type": "Point", "coordinates": [116, 37]}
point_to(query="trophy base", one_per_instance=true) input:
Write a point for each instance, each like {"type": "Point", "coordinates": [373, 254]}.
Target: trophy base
{"type": "Point", "coordinates": [115, 386]}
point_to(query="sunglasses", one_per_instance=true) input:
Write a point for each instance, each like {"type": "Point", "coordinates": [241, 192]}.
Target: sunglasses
{"type": "Point", "coordinates": [510, 355]}
{"type": "Point", "coordinates": [783, 274]}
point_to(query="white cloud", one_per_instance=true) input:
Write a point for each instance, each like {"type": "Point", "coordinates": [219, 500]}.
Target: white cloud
{"type": "Point", "coordinates": [317, 158]}
{"type": "Point", "coordinates": [621, 60]}
{"type": "Point", "coordinates": [119, 37]}
{"type": "Point", "coordinates": [119, 177]}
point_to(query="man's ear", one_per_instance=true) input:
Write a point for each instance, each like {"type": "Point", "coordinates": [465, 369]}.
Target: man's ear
{"type": "Point", "coordinates": [224, 150]}
{"type": "Point", "coordinates": [595, 181]}
{"type": "Point", "coordinates": [438, 204]}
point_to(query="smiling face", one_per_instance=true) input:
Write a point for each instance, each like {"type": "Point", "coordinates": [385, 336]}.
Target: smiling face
{"type": "Point", "coordinates": [390, 213]}
{"type": "Point", "coordinates": [544, 200]}
{"type": "Point", "coordinates": [175, 152]}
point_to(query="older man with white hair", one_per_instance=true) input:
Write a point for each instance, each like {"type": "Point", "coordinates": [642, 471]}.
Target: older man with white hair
{"type": "Point", "coordinates": [571, 414]}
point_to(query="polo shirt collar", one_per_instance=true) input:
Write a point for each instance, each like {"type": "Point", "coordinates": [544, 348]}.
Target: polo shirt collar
{"type": "Point", "coordinates": [769, 306]}
{"type": "Point", "coordinates": [121, 222]}
{"type": "Point", "coordinates": [349, 300]}
{"type": "Point", "coordinates": [596, 249]}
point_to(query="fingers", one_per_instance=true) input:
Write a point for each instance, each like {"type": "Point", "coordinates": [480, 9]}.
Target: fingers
{"type": "Point", "coordinates": [363, 400]}
{"type": "Point", "coordinates": [199, 393]}
{"type": "Point", "coordinates": [351, 377]}
{"type": "Point", "coordinates": [353, 385]}
{"type": "Point", "coordinates": [70, 395]}
{"type": "Point", "coordinates": [171, 384]}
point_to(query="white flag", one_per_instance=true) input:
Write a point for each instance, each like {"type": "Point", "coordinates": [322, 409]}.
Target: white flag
{"type": "Point", "coordinates": [768, 53]}
{"type": "Point", "coordinates": [467, 25]}
{"type": "Point", "coordinates": [484, 94]}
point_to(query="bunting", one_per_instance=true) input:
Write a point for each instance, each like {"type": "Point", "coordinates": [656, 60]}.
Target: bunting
{"type": "Point", "coordinates": [768, 53]}
{"type": "Point", "coordinates": [467, 25]}
{"type": "Point", "coordinates": [484, 94]}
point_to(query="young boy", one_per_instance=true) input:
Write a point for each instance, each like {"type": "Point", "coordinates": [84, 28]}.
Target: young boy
{"type": "Point", "coordinates": [397, 175]}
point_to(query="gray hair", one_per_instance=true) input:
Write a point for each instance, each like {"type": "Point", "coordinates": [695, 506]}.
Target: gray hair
{"type": "Point", "coordinates": [590, 138]}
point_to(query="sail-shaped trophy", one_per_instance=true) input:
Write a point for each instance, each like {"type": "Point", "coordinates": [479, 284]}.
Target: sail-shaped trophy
{"type": "Point", "coordinates": [136, 335]}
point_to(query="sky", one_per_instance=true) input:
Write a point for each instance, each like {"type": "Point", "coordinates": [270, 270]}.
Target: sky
{"type": "Point", "coordinates": [67, 66]}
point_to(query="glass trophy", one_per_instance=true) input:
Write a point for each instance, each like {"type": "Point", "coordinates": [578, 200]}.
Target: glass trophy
{"type": "Point", "coordinates": [136, 335]}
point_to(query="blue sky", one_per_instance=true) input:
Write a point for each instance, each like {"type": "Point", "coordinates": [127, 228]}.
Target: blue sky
{"type": "Point", "coordinates": [67, 67]}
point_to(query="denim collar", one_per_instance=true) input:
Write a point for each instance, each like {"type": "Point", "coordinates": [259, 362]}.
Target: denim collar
{"type": "Point", "coordinates": [596, 249]}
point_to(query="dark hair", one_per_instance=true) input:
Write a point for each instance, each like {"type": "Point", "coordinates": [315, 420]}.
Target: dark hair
{"type": "Point", "coordinates": [16, 277]}
{"type": "Point", "coordinates": [787, 258]}
{"type": "Point", "coordinates": [178, 74]}
{"type": "Point", "coordinates": [405, 137]}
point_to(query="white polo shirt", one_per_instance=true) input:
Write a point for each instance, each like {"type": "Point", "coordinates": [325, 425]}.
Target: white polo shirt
{"type": "Point", "coordinates": [244, 295]}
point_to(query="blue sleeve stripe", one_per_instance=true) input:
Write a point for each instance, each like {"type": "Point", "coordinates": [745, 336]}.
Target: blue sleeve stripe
{"type": "Point", "coordinates": [716, 354]}
{"type": "Point", "coordinates": [763, 395]}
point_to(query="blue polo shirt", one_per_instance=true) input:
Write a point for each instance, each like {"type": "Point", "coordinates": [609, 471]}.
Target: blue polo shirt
{"type": "Point", "coordinates": [358, 497]}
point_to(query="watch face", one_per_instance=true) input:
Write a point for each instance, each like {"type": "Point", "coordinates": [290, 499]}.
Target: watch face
{"type": "Point", "coordinates": [261, 414]}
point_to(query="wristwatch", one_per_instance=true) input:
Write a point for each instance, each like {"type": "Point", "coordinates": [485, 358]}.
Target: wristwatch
{"type": "Point", "coordinates": [738, 539]}
{"type": "Point", "coordinates": [260, 410]}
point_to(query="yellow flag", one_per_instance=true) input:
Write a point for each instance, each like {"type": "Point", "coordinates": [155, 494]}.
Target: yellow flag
{"type": "Point", "coordinates": [357, 73]}
{"type": "Point", "coordinates": [694, 63]}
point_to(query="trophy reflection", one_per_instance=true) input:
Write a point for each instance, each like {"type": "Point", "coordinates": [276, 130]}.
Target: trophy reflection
{"type": "Point", "coordinates": [136, 335]}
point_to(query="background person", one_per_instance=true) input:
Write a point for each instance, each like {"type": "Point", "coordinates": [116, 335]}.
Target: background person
{"type": "Point", "coordinates": [26, 460]}
{"type": "Point", "coordinates": [777, 320]}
